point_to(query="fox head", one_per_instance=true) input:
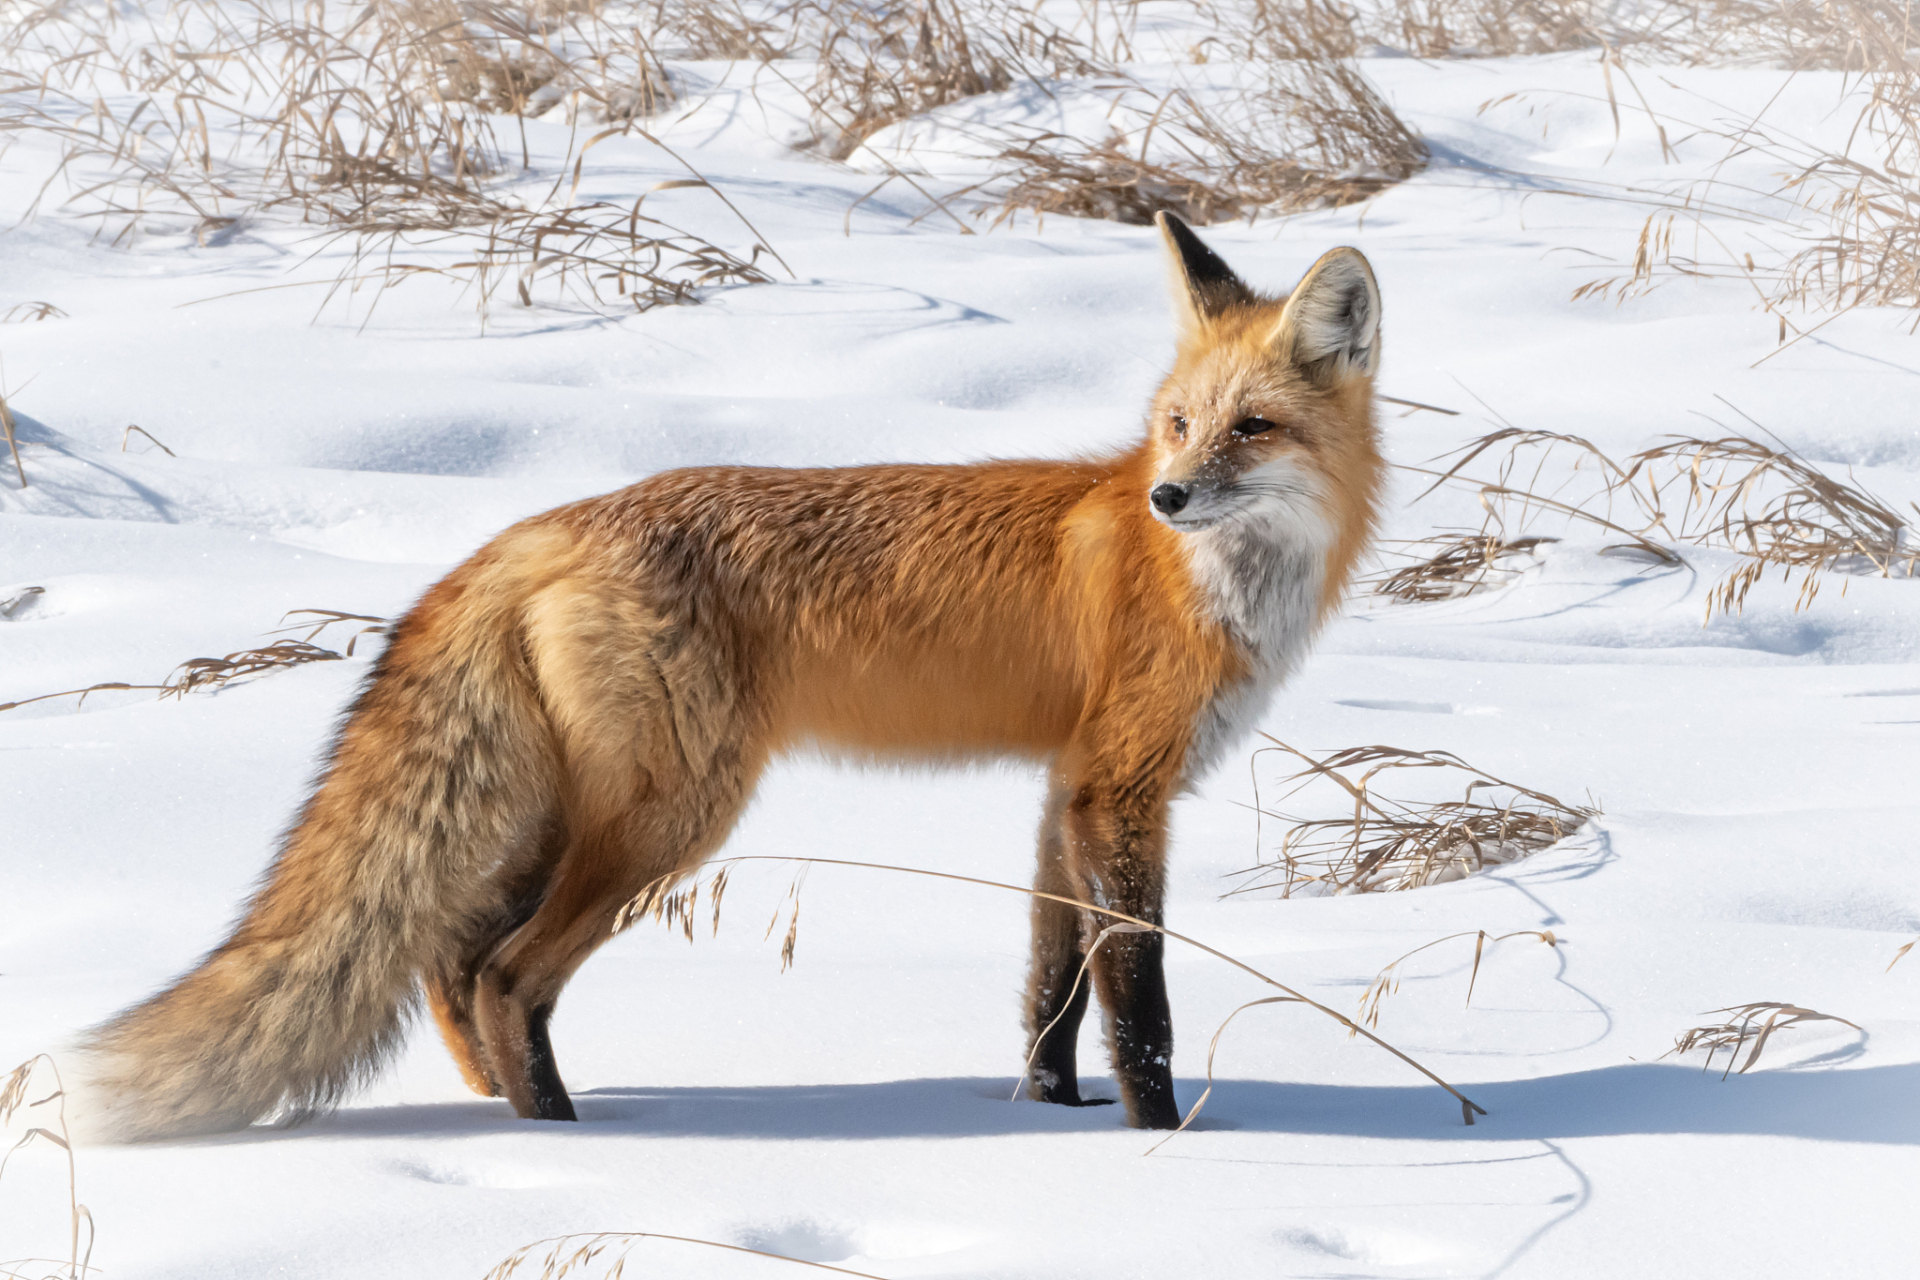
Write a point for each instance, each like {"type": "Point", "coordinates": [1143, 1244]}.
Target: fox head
{"type": "Point", "coordinates": [1266, 418]}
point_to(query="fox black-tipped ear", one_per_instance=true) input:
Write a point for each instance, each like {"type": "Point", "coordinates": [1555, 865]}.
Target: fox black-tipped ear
{"type": "Point", "coordinates": [1330, 327]}
{"type": "Point", "coordinates": [1203, 285]}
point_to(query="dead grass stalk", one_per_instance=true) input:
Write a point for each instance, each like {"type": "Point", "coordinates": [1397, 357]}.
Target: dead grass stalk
{"type": "Point", "coordinates": [1080, 976]}
{"type": "Point", "coordinates": [126, 437]}
{"type": "Point", "coordinates": [1387, 982]}
{"type": "Point", "coordinates": [653, 901]}
{"type": "Point", "coordinates": [13, 443]}
{"type": "Point", "coordinates": [13, 1097]}
{"type": "Point", "coordinates": [197, 675]}
{"type": "Point", "coordinates": [1370, 1011]}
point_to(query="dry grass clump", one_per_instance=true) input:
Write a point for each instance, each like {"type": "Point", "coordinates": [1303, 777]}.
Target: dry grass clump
{"type": "Point", "coordinates": [1496, 28]}
{"type": "Point", "coordinates": [340, 121]}
{"type": "Point", "coordinates": [1386, 844]}
{"type": "Point", "coordinates": [720, 30]}
{"type": "Point", "coordinates": [1057, 174]}
{"type": "Point", "coordinates": [25, 312]}
{"type": "Point", "coordinates": [1869, 254]}
{"type": "Point", "coordinates": [381, 121]}
{"type": "Point", "coordinates": [672, 903]}
{"type": "Point", "coordinates": [1780, 511]}
{"type": "Point", "coordinates": [14, 1091]}
{"type": "Point", "coordinates": [573, 1254]}
{"type": "Point", "coordinates": [1851, 217]}
{"type": "Point", "coordinates": [376, 124]}
{"type": "Point", "coordinates": [595, 253]}
{"type": "Point", "coordinates": [1302, 128]}
{"type": "Point", "coordinates": [1458, 565]}
{"type": "Point", "coordinates": [524, 58]}
{"type": "Point", "coordinates": [197, 675]}
{"type": "Point", "coordinates": [1834, 35]}
{"type": "Point", "coordinates": [1761, 501]}
{"type": "Point", "coordinates": [19, 599]}
{"type": "Point", "coordinates": [1800, 35]}
{"type": "Point", "coordinates": [879, 64]}
{"type": "Point", "coordinates": [1054, 173]}
{"type": "Point", "coordinates": [1743, 1026]}
{"type": "Point", "coordinates": [1287, 147]}
{"type": "Point", "coordinates": [1848, 220]}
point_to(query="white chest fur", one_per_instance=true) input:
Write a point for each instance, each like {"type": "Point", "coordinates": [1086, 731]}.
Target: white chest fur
{"type": "Point", "coordinates": [1263, 579]}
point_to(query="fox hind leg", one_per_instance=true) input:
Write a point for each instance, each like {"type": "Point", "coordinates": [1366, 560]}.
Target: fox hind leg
{"type": "Point", "coordinates": [451, 1000]}
{"type": "Point", "coordinates": [671, 830]}
{"type": "Point", "coordinates": [658, 762]}
{"type": "Point", "coordinates": [452, 986]}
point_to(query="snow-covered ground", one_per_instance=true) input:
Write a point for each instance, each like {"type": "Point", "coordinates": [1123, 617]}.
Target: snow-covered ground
{"type": "Point", "coordinates": [1757, 775]}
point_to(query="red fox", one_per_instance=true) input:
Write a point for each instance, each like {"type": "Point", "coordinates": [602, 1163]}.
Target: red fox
{"type": "Point", "coordinates": [583, 708]}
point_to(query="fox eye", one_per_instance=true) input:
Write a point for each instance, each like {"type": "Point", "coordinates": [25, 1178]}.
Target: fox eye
{"type": "Point", "coordinates": [1252, 426]}
{"type": "Point", "coordinates": [1179, 426]}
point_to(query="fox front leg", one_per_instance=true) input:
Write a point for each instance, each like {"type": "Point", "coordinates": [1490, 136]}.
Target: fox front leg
{"type": "Point", "coordinates": [1119, 842]}
{"type": "Point", "coordinates": [1057, 987]}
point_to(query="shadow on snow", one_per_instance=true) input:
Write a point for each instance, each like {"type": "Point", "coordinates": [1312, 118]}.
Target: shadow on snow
{"type": "Point", "coordinates": [1864, 1104]}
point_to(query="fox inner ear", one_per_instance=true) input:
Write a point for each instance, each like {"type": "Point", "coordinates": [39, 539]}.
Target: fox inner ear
{"type": "Point", "coordinates": [1203, 285]}
{"type": "Point", "coordinates": [1330, 327]}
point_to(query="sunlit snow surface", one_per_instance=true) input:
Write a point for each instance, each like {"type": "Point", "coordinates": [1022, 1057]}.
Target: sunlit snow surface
{"type": "Point", "coordinates": [1759, 840]}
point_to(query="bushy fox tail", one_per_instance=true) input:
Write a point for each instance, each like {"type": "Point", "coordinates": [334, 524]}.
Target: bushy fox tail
{"type": "Point", "coordinates": [443, 768]}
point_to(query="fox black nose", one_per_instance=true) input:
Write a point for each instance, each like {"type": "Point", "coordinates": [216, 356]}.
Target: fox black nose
{"type": "Point", "coordinates": [1169, 499]}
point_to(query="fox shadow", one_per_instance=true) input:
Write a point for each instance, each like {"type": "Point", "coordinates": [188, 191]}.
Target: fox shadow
{"type": "Point", "coordinates": [1863, 1104]}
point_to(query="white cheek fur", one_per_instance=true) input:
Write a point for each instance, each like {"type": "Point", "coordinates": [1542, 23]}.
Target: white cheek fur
{"type": "Point", "coordinates": [1262, 571]}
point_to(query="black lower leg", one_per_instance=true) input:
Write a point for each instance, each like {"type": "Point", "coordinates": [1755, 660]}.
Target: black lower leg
{"type": "Point", "coordinates": [1056, 1005]}
{"type": "Point", "coordinates": [1133, 989]}
{"type": "Point", "coordinates": [550, 1100]}
{"type": "Point", "coordinates": [1057, 989]}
